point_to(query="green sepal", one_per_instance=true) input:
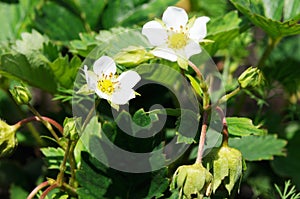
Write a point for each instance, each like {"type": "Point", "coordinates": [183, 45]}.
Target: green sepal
{"type": "Point", "coordinates": [251, 78]}
{"type": "Point", "coordinates": [8, 140]}
{"type": "Point", "coordinates": [227, 166]}
{"type": "Point", "coordinates": [192, 181]}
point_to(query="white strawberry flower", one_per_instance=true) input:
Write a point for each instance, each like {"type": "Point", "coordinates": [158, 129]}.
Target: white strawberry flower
{"type": "Point", "coordinates": [103, 80]}
{"type": "Point", "coordinates": [175, 37]}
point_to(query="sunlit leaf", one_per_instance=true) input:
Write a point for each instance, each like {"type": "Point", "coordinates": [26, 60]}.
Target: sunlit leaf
{"type": "Point", "coordinates": [241, 126]}
{"type": "Point", "coordinates": [255, 148]}
{"type": "Point", "coordinates": [276, 18]}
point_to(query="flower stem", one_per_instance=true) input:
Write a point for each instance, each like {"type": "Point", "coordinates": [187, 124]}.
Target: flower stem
{"type": "Point", "coordinates": [37, 189]}
{"type": "Point", "coordinates": [72, 163]}
{"type": "Point", "coordinates": [35, 118]}
{"type": "Point", "coordinates": [203, 85]}
{"type": "Point", "coordinates": [225, 126]}
{"type": "Point", "coordinates": [202, 138]}
{"type": "Point", "coordinates": [62, 168]}
{"type": "Point", "coordinates": [89, 116]}
{"type": "Point", "coordinates": [271, 45]}
{"type": "Point", "coordinates": [45, 193]}
{"type": "Point", "coordinates": [226, 97]}
{"type": "Point", "coordinates": [46, 123]}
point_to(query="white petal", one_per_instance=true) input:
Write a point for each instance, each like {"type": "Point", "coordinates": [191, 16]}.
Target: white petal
{"type": "Point", "coordinates": [155, 33]}
{"type": "Point", "coordinates": [165, 53]}
{"type": "Point", "coordinates": [91, 78]}
{"type": "Point", "coordinates": [104, 65]}
{"type": "Point", "coordinates": [192, 48]}
{"type": "Point", "coordinates": [129, 79]}
{"type": "Point", "coordinates": [198, 30]}
{"type": "Point", "coordinates": [175, 17]}
{"type": "Point", "coordinates": [122, 96]}
{"type": "Point", "coordinates": [103, 95]}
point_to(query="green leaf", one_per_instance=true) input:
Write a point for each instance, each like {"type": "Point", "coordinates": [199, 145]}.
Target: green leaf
{"type": "Point", "coordinates": [84, 45]}
{"type": "Point", "coordinates": [256, 148]}
{"type": "Point", "coordinates": [267, 14]}
{"type": "Point", "coordinates": [289, 166]}
{"type": "Point", "coordinates": [128, 13]}
{"type": "Point", "coordinates": [30, 43]}
{"type": "Point", "coordinates": [223, 30]}
{"type": "Point", "coordinates": [184, 139]}
{"type": "Point", "coordinates": [195, 84]}
{"type": "Point", "coordinates": [65, 71]}
{"type": "Point", "coordinates": [18, 66]}
{"type": "Point", "coordinates": [57, 22]}
{"type": "Point", "coordinates": [141, 118]}
{"type": "Point", "coordinates": [97, 181]}
{"type": "Point", "coordinates": [14, 18]}
{"type": "Point", "coordinates": [53, 156]}
{"type": "Point", "coordinates": [283, 64]}
{"type": "Point", "coordinates": [240, 126]}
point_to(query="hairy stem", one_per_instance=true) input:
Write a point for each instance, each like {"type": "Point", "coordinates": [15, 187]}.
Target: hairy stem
{"type": "Point", "coordinates": [62, 167]}
{"type": "Point", "coordinates": [225, 127]}
{"type": "Point", "coordinates": [46, 123]}
{"type": "Point", "coordinates": [226, 97]}
{"type": "Point", "coordinates": [72, 163]}
{"type": "Point", "coordinates": [202, 138]}
{"type": "Point", "coordinates": [45, 193]}
{"type": "Point", "coordinates": [271, 45]}
{"type": "Point", "coordinates": [37, 189]}
{"type": "Point", "coordinates": [35, 118]}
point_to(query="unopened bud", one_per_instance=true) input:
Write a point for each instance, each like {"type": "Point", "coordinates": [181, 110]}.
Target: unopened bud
{"type": "Point", "coordinates": [8, 140]}
{"type": "Point", "coordinates": [192, 181]}
{"type": "Point", "coordinates": [251, 78]}
{"type": "Point", "coordinates": [133, 56]}
{"type": "Point", "coordinates": [21, 94]}
{"type": "Point", "coordinates": [70, 128]}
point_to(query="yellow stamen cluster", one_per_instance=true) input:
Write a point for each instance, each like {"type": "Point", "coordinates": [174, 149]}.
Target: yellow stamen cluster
{"type": "Point", "coordinates": [107, 84]}
{"type": "Point", "coordinates": [178, 39]}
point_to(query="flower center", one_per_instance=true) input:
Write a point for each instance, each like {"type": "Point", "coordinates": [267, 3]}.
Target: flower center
{"type": "Point", "coordinates": [107, 85]}
{"type": "Point", "coordinates": [177, 40]}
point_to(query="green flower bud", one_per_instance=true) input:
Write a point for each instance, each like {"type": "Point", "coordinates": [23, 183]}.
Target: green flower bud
{"type": "Point", "coordinates": [227, 165]}
{"type": "Point", "coordinates": [192, 181]}
{"type": "Point", "coordinates": [133, 56]}
{"type": "Point", "coordinates": [70, 128]}
{"type": "Point", "coordinates": [8, 140]}
{"type": "Point", "coordinates": [250, 78]}
{"type": "Point", "coordinates": [21, 94]}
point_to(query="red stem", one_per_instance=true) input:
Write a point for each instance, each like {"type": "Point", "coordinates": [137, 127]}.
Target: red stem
{"type": "Point", "coordinates": [202, 138]}
{"type": "Point", "coordinates": [225, 126]}
{"type": "Point", "coordinates": [36, 189]}
{"type": "Point", "coordinates": [35, 118]}
{"type": "Point", "coordinates": [45, 193]}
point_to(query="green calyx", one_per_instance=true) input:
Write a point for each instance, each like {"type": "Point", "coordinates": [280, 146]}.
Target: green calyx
{"type": "Point", "coordinates": [250, 78]}
{"type": "Point", "coordinates": [21, 94]}
{"type": "Point", "coordinates": [70, 128]}
{"type": "Point", "coordinates": [192, 181]}
{"type": "Point", "coordinates": [8, 140]}
{"type": "Point", "coordinates": [133, 56]}
{"type": "Point", "coordinates": [227, 166]}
